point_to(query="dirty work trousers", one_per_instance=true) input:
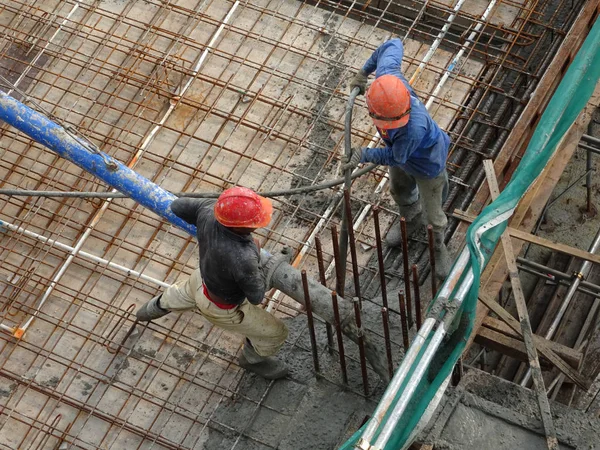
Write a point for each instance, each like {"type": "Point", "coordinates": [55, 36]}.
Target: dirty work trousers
{"type": "Point", "coordinates": [412, 194]}
{"type": "Point", "coordinates": [266, 332]}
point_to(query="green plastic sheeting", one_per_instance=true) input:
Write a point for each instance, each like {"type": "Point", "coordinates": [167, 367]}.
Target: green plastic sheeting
{"type": "Point", "coordinates": [570, 98]}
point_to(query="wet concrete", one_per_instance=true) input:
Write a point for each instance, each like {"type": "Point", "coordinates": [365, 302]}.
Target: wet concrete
{"type": "Point", "coordinates": [303, 411]}
{"type": "Point", "coordinates": [488, 413]}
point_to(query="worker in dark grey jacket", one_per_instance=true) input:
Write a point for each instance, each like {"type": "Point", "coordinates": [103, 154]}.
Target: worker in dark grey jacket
{"type": "Point", "coordinates": [229, 284]}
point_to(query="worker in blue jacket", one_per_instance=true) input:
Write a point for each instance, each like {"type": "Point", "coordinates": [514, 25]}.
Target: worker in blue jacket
{"type": "Point", "coordinates": [415, 148]}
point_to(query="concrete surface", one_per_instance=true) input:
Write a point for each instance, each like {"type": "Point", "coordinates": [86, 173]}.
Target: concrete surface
{"type": "Point", "coordinates": [487, 413]}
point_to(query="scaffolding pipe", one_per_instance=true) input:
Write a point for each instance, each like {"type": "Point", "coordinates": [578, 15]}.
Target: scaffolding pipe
{"type": "Point", "coordinates": [578, 278]}
{"type": "Point", "coordinates": [460, 53]}
{"type": "Point", "coordinates": [54, 243]}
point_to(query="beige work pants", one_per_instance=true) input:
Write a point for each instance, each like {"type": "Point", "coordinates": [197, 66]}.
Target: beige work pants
{"type": "Point", "coordinates": [266, 332]}
{"type": "Point", "coordinates": [407, 190]}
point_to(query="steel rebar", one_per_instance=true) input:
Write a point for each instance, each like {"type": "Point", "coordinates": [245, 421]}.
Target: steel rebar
{"type": "Point", "coordinates": [406, 268]}
{"type": "Point", "coordinates": [379, 244]}
{"type": "Point", "coordinates": [311, 325]}
{"type": "Point", "coordinates": [361, 346]}
{"type": "Point", "coordinates": [352, 244]}
{"type": "Point", "coordinates": [338, 331]}
{"type": "Point", "coordinates": [415, 274]}
{"type": "Point", "coordinates": [386, 338]}
{"type": "Point", "coordinates": [328, 326]}
{"type": "Point", "coordinates": [403, 320]}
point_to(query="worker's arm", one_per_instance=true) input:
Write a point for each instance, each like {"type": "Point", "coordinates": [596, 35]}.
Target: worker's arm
{"type": "Point", "coordinates": [250, 278]}
{"type": "Point", "coordinates": [188, 208]}
{"type": "Point", "coordinates": [387, 59]}
{"type": "Point", "coordinates": [396, 155]}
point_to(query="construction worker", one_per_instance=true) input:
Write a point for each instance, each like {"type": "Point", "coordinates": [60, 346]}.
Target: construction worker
{"type": "Point", "coordinates": [415, 148]}
{"type": "Point", "coordinates": [230, 283]}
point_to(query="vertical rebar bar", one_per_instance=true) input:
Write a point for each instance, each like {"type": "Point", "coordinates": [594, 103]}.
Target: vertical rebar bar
{"type": "Point", "coordinates": [352, 243]}
{"type": "Point", "coordinates": [339, 278]}
{"type": "Point", "coordinates": [415, 274]}
{"type": "Point", "coordinates": [328, 327]}
{"type": "Point", "coordinates": [338, 332]}
{"type": "Point", "coordinates": [380, 257]}
{"type": "Point", "coordinates": [386, 338]}
{"type": "Point", "coordinates": [361, 345]}
{"type": "Point", "coordinates": [432, 260]}
{"type": "Point", "coordinates": [346, 223]}
{"type": "Point", "coordinates": [588, 180]}
{"type": "Point", "coordinates": [404, 321]}
{"type": "Point", "coordinates": [406, 270]}
{"type": "Point", "coordinates": [311, 325]}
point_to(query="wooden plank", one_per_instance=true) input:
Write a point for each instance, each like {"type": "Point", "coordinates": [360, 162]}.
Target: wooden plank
{"type": "Point", "coordinates": [502, 343]}
{"type": "Point", "coordinates": [527, 213]}
{"type": "Point", "coordinates": [519, 296]}
{"type": "Point", "coordinates": [570, 355]}
{"type": "Point", "coordinates": [528, 237]}
{"type": "Point", "coordinates": [531, 206]}
{"type": "Point", "coordinates": [541, 344]}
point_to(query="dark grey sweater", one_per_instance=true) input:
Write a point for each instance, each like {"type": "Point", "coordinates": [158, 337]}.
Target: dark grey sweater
{"type": "Point", "coordinates": [229, 262]}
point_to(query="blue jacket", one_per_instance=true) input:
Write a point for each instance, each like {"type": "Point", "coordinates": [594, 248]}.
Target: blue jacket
{"type": "Point", "coordinates": [420, 147]}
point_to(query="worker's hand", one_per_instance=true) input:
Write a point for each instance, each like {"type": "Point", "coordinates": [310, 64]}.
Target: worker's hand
{"type": "Point", "coordinates": [352, 162]}
{"type": "Point", "coordinates": [359, 81]}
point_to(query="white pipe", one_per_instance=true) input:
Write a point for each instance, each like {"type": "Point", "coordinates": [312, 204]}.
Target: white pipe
{"type": "Point", "coordinates": [397, 380]}
{"type": "Point", "coordinates": [181, 90]}
{"type": "Point", "coordinates": [89, 256]}
{"type": "Point", "coordinates": [135, 159]}
{"type": "Point", "coordinates": [43, 49]}
{"type": "Point", "coordinates": [437, 41]}
{"type": "Point", "coordinates": [460, 53]}
{"type": "Point", "coordinates": [411, 387]}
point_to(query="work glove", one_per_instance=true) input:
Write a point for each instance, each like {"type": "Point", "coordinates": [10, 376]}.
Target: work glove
{"type": "Point", "coordinates": [359, 81]}
{"type": "Point", "coordinates": [352, 162]}
{"type": "Point", "coordinates": [270, 266]}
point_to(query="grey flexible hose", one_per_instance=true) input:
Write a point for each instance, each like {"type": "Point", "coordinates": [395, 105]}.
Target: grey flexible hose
{"type": "Point", "coordinates": [280, 193]}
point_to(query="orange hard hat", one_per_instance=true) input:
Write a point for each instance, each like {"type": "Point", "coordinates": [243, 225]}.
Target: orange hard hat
{"type": "Point", "coordinates": [240, 207]}
{"type": "Point", "coordinates": [388, 101]}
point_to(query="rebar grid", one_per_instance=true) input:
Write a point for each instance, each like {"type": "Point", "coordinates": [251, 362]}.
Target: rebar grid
{"type": "Point", "coordinates": [265, 111]}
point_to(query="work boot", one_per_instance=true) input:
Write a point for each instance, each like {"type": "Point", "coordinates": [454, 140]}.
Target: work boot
{"type": "Point", "coordinates": [414, 222]}
{"type": "Point", "coordinates": [263, 366]}
{"type": "Point", "coordinates": [151, 310]}
{"type": "Point", "coordinates": [442, 256]}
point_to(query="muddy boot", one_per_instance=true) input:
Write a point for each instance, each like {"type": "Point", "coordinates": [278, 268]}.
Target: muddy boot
{"type": "Point", "coordinates": [151, 310]}
{"type": "Point", "coordinates": [263, 366]}
{"type": "Point", "coordinates": [414, 222]}
{"type": "Point", "coordinates": [442, 256]}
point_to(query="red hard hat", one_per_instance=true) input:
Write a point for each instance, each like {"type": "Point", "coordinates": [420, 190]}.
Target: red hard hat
{"type": "Point", "coordinates": [388, 101]}
{"type": "Point", "coordinates": [240, 207]}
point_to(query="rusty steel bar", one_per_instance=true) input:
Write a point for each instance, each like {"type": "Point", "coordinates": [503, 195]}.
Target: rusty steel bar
{"type": "Point", "coordinates": [328, 326]}
{"type": "Point", "coordinates": [415, 274]}
{"type": "Point", "coordinates": [431, 260]}
{"type": "Point", "coordinates": [338, 332]}
{"type": "Point", "coordinates": [404, 320]}
{"type": "Point", "coordinates": [386, 338]}
{"type": "Point", "coordinates": [406, 268]}
{"type": "Point", "coordinates": [311, 324]}
{"type": "Point", "coordinates": [361, 346]}
{"type": "Point", "coordinates": [384, 299]}
{"type": "Point", "coordinates": [352, 243]}
{"type": "Point", "coordinates": [339, 285]}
